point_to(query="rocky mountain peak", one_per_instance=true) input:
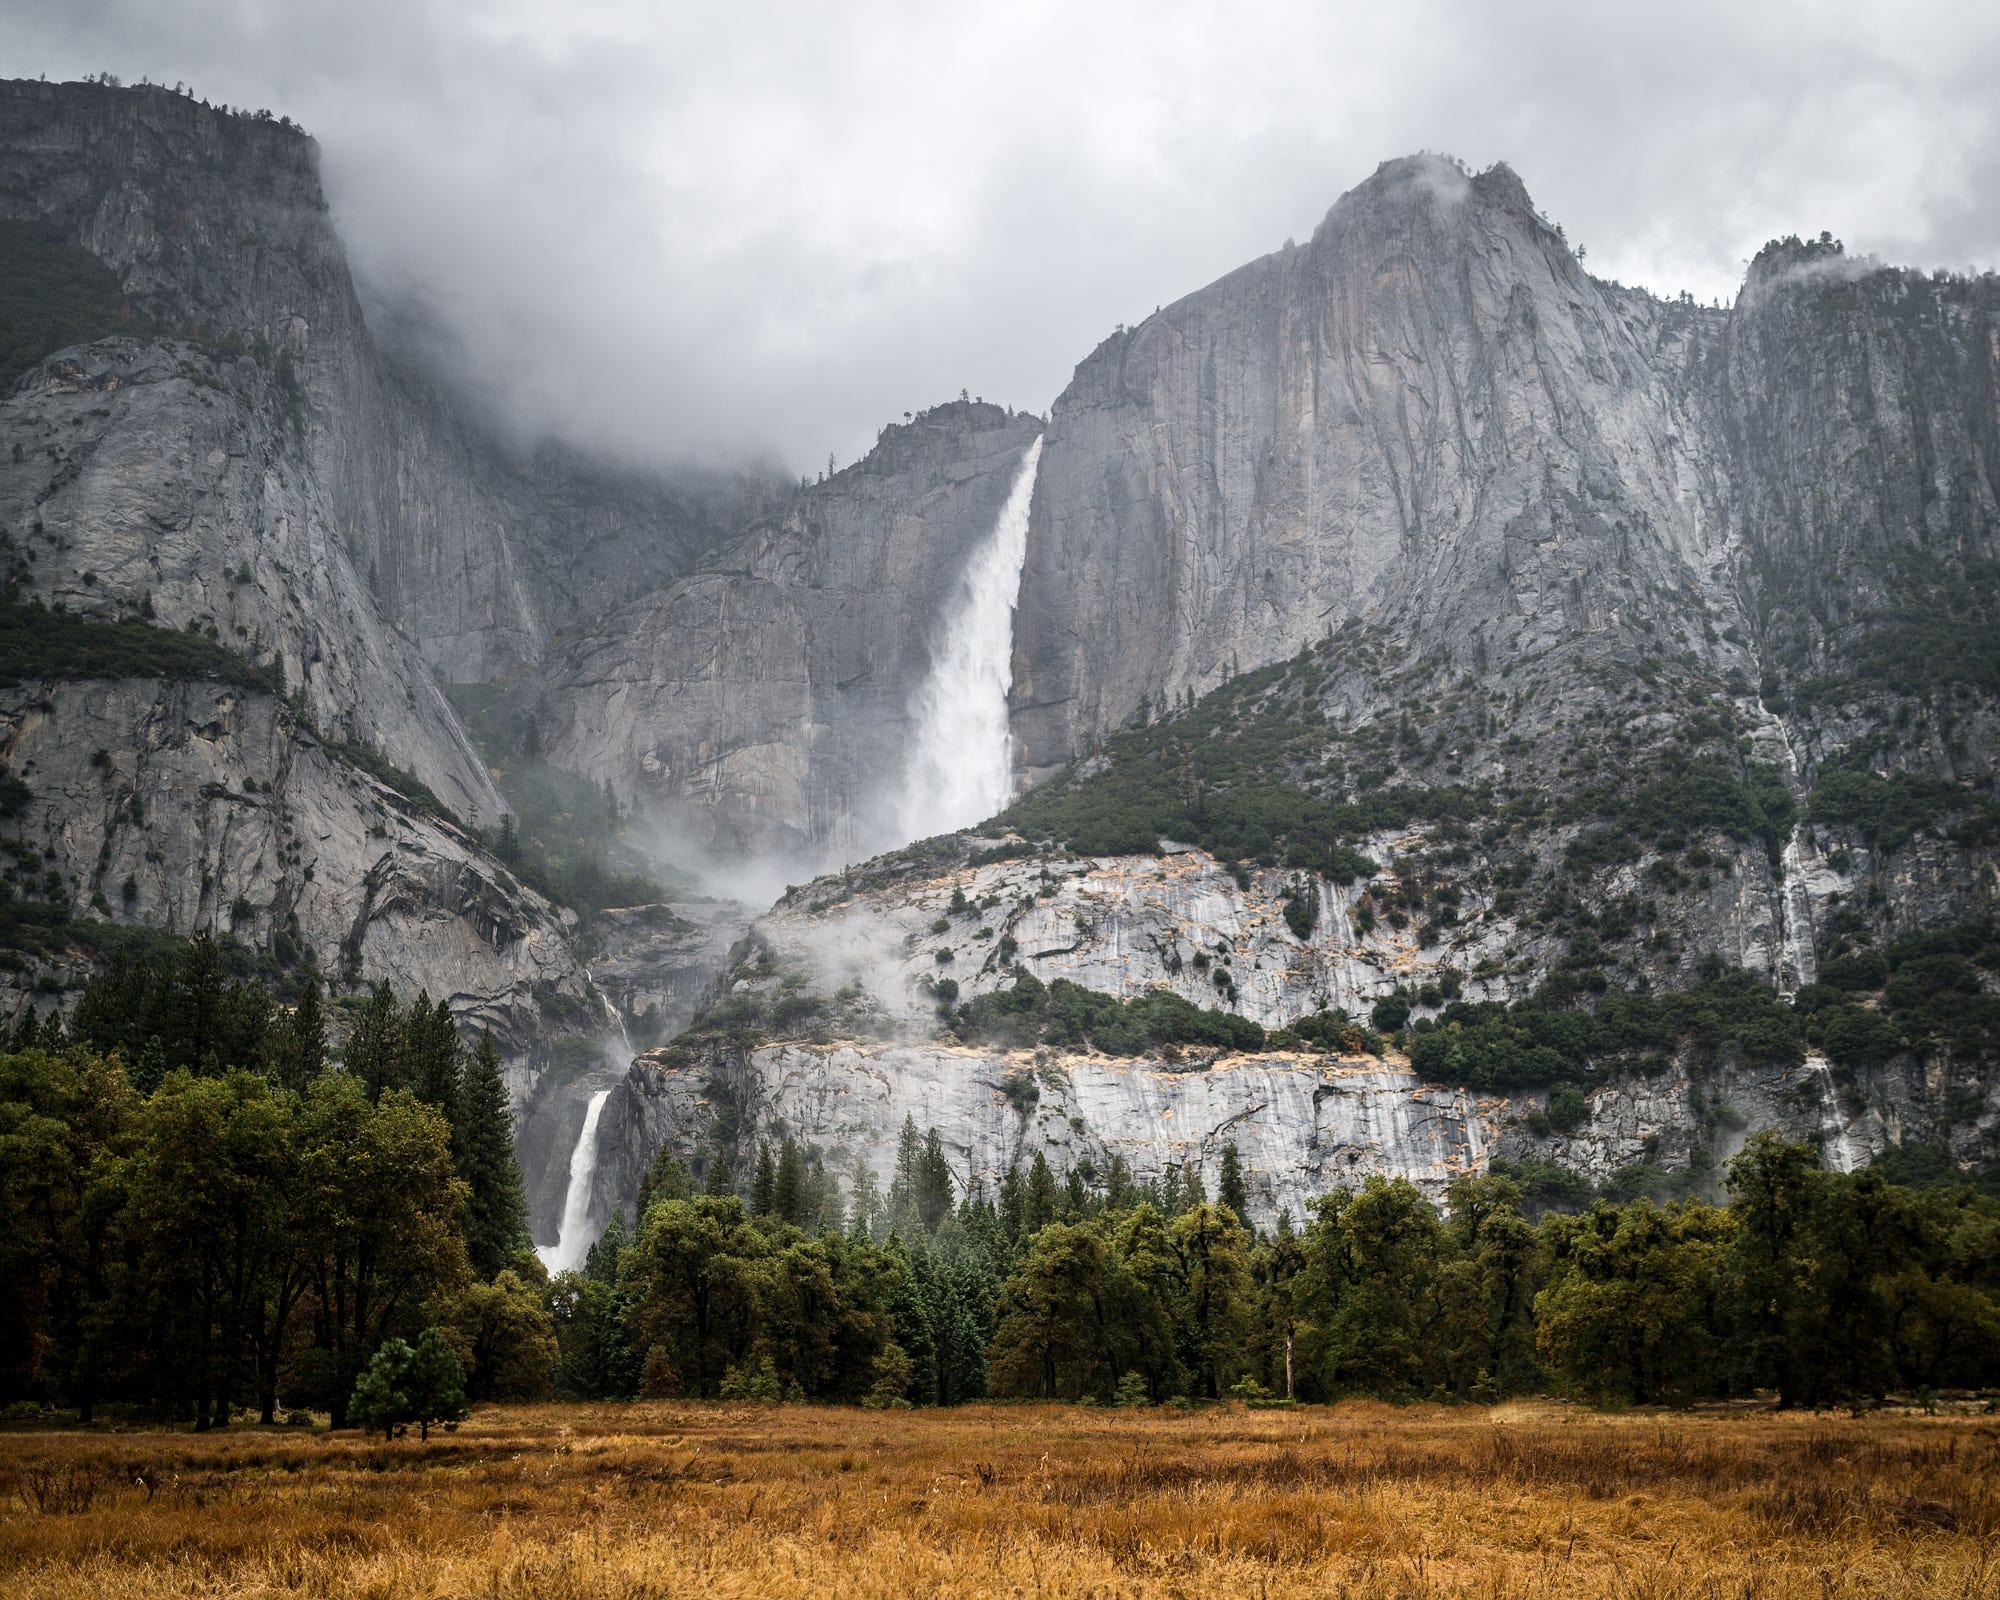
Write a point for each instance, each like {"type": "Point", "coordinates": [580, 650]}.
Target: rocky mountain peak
{"type": "Point", "coordinates": [1434, 201]}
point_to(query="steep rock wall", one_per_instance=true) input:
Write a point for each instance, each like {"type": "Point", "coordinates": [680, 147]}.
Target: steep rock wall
{"type": "Point", "coordinates": [222, 814]}
{"type": "Point", "coordinates": [762, 702]}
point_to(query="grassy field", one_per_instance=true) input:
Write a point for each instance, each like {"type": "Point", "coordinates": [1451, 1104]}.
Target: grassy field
{"type": "Point", "coordinates": [568, 1502]}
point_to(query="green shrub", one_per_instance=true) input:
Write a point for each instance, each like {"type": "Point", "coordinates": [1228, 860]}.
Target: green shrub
{"type": "Point", "coordinates": [403, 1383]}
{"type": "Point", "coordinates": [1069, 1016]}
{"type": "Point", "coordinates": [1567, 1110]}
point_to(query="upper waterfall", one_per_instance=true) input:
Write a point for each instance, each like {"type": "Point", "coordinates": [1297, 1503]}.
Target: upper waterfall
{"type": "Point", "coordinates": [961, 762]}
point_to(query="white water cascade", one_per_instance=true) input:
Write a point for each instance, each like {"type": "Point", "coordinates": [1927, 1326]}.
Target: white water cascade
{"type": "Point", "coordinates": [575, 1235]}
{"type": "Point", "coordinates": [961, 763]}
{"type": "Point", "coordinates": [1840, 1147]}
{"type": "Point", "coordinates": [572, 1241]}
{"type": "Point", "coordinates": [1797, 953]}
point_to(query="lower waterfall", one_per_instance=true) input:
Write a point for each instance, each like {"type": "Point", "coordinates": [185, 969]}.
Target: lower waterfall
{"type": "Point", "coordinates": [961, 763]}
{"type": "Point", "coordinates": [572, 1239]}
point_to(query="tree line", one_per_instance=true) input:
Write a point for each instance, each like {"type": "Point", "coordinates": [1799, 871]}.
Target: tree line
{"type": "Point", "coordinates": [207, 1213]}
{"type": "Point", "coordinates": [1814, 1285]}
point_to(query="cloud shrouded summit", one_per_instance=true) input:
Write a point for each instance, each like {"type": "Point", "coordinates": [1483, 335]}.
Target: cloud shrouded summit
{"type": "Point", "coordinates": [698, 232]}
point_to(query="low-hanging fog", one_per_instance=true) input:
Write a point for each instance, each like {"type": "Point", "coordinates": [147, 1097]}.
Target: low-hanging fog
{"type": "Point", "coordinates": [697, 233]}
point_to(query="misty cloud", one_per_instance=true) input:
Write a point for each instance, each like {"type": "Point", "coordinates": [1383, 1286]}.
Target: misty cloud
{"type": "Point", "coordinates": [695, 233]}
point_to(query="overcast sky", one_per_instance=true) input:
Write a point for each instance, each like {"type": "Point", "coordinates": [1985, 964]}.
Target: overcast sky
{"type": "Point", "coordinates": [684, 231]}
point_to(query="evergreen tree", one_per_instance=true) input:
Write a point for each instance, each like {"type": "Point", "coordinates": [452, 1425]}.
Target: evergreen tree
{"type": "Point", "coordinates": [1229, 1187]}
{"type": "Point", "coordinates": [193, 1031]}
{"type": "Point", "coordinates": [1214, 1305]}
{"type": "Point", "coordinates": [374, 1054]}
{"type": "Point", "coordinates": [867, 1201]}
{"type": "Point", "coordinates": [1041, 1201]}
{"type": "Point", "coordinates": [600, 1261]}
{"type": "Point", "coordinates": [905, 1219]}
{"type": "Point", "coordinates": [430, 1054]}
{"type": "Point", "coordinates": [423, 1384]}
{"type": "Point", "coordinates": [1776, 1187]}
{"type": "Point", "coordinates": [788, 1189]}
{"type": "Point", "coordinates": [299, 1054]}
{"type": "Point", "coordinates": [764, 1186]}
{"type": "Point", "coordinates": [911, 1319]}
{"type": "Point", "coordinates": [933, 1183]}
{"type": "Point", "coordinates": [666, 1179]}
{"type": "Point", "coordinates": [1013, 1208]}
{"type": "Point", "coordinates": [496, 1213]}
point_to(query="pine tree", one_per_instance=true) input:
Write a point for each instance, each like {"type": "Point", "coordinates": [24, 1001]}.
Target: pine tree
{"type": "Point", "coordinates": [300, 1053]}
{"type": "Point", "coordinates": [823, 1210]}
{"type": "Point", "coordinates": [666, 1179]}
{"type": "Point", "coordinates": [431, 1052]}
{"type": "Point", "coordinates": [764, 1186]}
{"type": "Point", "coordinates": [436, 1382]}
{"type": "Point", "coordinates": [600, 1262]}
{"type": "Point", "coordinates": [788, 1193]}
{"type": "Point", "coordinates": [933, 1183]}
{"type": "Point", "coordinates": [375, 1047]}
{"type": "Point", "coordinates": [1229, 1189]}
{"type": "Point", "coordinates": [193, 1034]}
{"type": "Point", "coordinates": [910, 1316]}
{"type": "Point", "coordinates": [866, 1200]}
{"type": "Point", "coordinates": [1013, 1206]}
{"type": "Point", "coordinates": [1042, 1201]}
{"type": "Point", "coordinates": [903, 1214]}
{"type": "Point", "coordinates": [496, 1214]}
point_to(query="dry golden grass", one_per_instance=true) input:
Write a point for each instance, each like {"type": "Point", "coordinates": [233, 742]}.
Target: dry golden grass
{"type": "Point", "coordinates": [583, 1502]}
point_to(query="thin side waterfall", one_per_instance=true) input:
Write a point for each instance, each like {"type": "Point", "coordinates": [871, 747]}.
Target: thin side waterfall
{"type": "Point", "coordinates": [572, 1241]}
{"type": "Point", "coordinates": [1797, 955]}
{"type": "Point", "coordinates": [961, 763]}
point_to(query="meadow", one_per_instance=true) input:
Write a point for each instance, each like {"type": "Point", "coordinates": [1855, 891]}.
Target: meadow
{"type": "Point", "coordinates": [567, 1502]}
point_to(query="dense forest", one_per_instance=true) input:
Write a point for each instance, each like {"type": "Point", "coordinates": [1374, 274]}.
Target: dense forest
{"type": "Point", "coordinates": [208, 1214]}
{"type": "Point", "coordinates": [214, 1219]}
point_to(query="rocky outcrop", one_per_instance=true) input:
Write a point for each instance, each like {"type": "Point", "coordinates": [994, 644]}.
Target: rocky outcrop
{"type": "Point", "coordinates": [871, 947]}
{"type": "Point", "coordinates": [196, 807]}
{"type": "Point", "coordinates": [762, 703]}
{"type": "Point", "coordinates": [1302, 1124]}
{"type": "Point", "coordinates": [249, 466]}
{"type": "Point", "coordinates": [655, 964]}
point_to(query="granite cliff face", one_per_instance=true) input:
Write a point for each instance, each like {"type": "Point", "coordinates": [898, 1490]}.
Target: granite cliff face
{"type": "Point", "coordinates": [857, 960]}
{"type": "Point", "coordinates": [1302, 1124]}
{"type": "Point", "coordinates": [762, 703]}
{"type": "Point", "coordinates": [1408, 618]}
{"type": "Point", "coordinates": [217, 469]}
{"type": "Point", "coordinates": [1428, 415]}
{"type": "Point", "coordinates": [197, 807]}
{"type": "Point", "coordinates": [1557, 639]}
{"type": "Point", "coordinates": [217, 227]}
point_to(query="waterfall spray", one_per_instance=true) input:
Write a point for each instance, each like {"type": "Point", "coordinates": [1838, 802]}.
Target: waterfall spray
{"type": "Point", "coordinates": [961, 763]}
